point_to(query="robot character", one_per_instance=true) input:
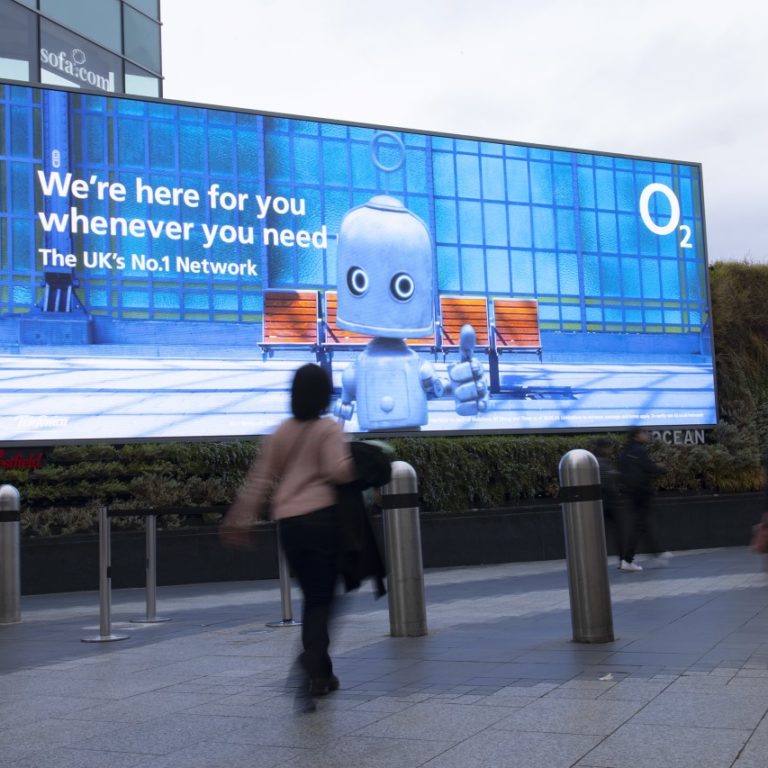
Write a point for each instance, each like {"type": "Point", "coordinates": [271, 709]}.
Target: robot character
{"type": "Point", "coordinates": [386, 290]}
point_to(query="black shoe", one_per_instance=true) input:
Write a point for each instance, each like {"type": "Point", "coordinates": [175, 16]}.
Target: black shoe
{"type": "Point", "coordinates": [322, 686]}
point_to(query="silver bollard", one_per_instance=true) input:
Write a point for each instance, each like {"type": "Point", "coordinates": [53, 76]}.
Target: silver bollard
{"type": "Point", "coordinates": [10, 561]}
{"type": "Point", "coordinates": [402, 539]}
{"type": "Point", "coordinates": [150, 525]}
{"type": "Point", "coordinates": [105, 584]}
{"type": "Point", "coordinates": [581, 501]}
{"type": "Point", "coordinates": [285, 588]}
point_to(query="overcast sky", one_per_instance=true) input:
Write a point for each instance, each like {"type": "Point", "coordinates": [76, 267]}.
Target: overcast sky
{"type": "Point", "coordinates": [677, 79]}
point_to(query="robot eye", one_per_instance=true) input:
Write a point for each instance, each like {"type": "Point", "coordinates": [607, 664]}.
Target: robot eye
{"type": "Point", "coordinates": [402, 286]}
{"type": "Point", "coordinates": [357, 281]}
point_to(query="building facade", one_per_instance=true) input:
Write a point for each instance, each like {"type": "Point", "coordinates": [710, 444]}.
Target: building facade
{"type": "Point", "coordinates": [110, 46]}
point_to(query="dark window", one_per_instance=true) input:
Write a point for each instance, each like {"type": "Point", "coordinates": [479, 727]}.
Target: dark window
{"type": "Point", "coordinates": [141, 39]}
{"type": "Point", "coordinates": [98, 20]}
{"type": "Point", "coordinates": [18, 43]}
{"type": "Point", "coordinates": [150, 7]}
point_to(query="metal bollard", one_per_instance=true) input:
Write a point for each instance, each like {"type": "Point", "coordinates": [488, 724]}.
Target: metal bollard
{"type": "Point", "coordinates": [105, 584]}
{"type": "Point", "coordinates": [402, 539]}
{"type": "Point", "coordinates": [285, 588]}
{"type": "Point", "coordinates": [10, 561]}
{"type": "Point", "coordinates": [150, 525]}
{"type": "Point", "coordinates": [581, 501]}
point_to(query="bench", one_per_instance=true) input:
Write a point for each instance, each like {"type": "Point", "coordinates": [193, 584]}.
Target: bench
{"type": "Point", "coordinates": [290, 321]}
{"type": "Point", "coordinates": [335, 337]}
{"type": "Point", "coordinates": [458, 311]}
{"type": "Point", "coordinates": [514, 328]}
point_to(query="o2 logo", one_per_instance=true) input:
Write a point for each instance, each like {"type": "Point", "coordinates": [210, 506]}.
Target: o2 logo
{"type": "Point", "coordinates": [674, 215]}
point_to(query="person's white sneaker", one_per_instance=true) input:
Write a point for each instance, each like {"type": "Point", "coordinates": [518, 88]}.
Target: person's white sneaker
{"type": "Point", "coordinates": [625, 566]}
{"type": "Point", "coordinates": [663, 558]}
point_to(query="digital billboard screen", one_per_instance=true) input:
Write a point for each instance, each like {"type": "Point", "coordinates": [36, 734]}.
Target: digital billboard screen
{"type": "Point", "coordinates": [166, 267]}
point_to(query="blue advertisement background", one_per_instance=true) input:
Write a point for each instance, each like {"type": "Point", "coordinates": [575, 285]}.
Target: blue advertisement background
{"type": "Point", "coordinates": [506, 220]}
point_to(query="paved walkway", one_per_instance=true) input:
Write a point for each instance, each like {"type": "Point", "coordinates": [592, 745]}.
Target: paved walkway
{"type": "Point", "coordinates": [497, 682]}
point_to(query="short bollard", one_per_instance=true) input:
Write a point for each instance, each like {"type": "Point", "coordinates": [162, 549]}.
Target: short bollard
{"type": "Point", "coordinates": [151, 573]}
{"type": "Point", "coordinates": [10, 565]}
{"type": "Point", "coordinates": [581, 501]}
{"type": "Point", "coordinates": [105, 584]}
{"type": "Point", "coordinates": [402, 539]}
{"type": "Point", "coordinates": [284, 573]}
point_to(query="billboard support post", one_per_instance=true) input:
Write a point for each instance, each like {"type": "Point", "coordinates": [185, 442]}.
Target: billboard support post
{"type": "Point", "coordinates": [581, 502]}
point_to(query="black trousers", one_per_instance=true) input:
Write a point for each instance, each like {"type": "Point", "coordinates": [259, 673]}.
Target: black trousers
{"type": "Point", "coordinates": [642, 525]}
{"type": "Point", "coordinates": [311, 545]}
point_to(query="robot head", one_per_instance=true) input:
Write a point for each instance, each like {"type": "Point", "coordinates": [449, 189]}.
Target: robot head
{"type": "Point", "coordinates": [385, 271]}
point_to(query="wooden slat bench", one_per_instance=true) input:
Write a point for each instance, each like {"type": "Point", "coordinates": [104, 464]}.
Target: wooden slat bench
{"type": "Point", "coordinates": [290, 321]}
{"type": "Point", "coordinates": [457, 311]}
{"type": "Point", "coordinates": [514, 328]}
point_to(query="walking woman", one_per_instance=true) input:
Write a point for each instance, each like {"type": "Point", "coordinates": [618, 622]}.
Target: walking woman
{"type": "Point", "coordinates": [301, 463]}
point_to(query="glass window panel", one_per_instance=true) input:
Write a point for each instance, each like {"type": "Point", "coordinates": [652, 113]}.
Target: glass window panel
{"type": "Point", "coordinates": [546, 273]}
{"type": "Point", "coordinates": [541, 183]}
{"type": "Point", "coordinates": [651, 279]}
{"type": "Point", "coordinates": [97, 19]}
{"type": "Point", "coordinates": [570, 313]}
{"type": "Point", "coordinates": [606, 196]}
{"type": "Point", "coordinates": [221, 156]}
{"type": "Point", "coordinates": [142, 39]}
{"type": "Point", "coordinates": [493, 178]}
{"type": "Point", "coordinates": [566, 229]}
{"type": "Point", "coordinates": [498, 271]}
{"type": "Point", "coordinates": [306, 159]}
{"type": "Point", "coordinates": [68, 59]}
{"type": "Point", "coordinates": [594, 314]}
{"type": "Point", "coordinates": [140, 82]}
{"type": "Point", "coordinates": [448, 276]}
{"type": "Point", "coordinates": [473, 270]}
{"type": "Point", "coordinates": [592, 285]}
{"type": "Point", "coordinates": [517, 181]}
{"type": "Point", "coordinates": [588, 231]}
{"type": "Point", "coordinates": [563, 184]}
{"type": "Point", "coordinates": [416, 171]}
{"type": "Point", "coordinates": [606, 225]}
{"type": "Point", "coordinates": [150, 7]}
{"type": "Point", "coordinates": [470, 223]}
{"type": "Point", "coordinates": [625, 192]}
{"type": "Point", "coordinates": [543, 227]}
{"type": "Point", "coordinates": [609, 276]}
{"type": "Point", "coordinates": [630, 278]}
{"type": "Point", "coordinates": [495, 223]}
{"type": "Point", "coordinates": [569, 274]}
{"type": "Point", "coordinates": [335, 164]}
{"type": "Point", "coordinates": [363, 170]}
{"type": "Point", "coordinates": [519, 226]}
{"type": "Point", "coordinates": [670, 280]}
{"type": "Point", "coordinates": [468, 175]}
{"type": "Point", "coordinates": [627, 233]}
{"type": "Point", "coordinates": [446, 230]}
{"type": "Point", "coordinates": [522, 273]}
{"type": "Point", "coordinates": [445, 177]}
{"type": "Point", "coordinates": [586, 183]}
{"type": "Point", "coordinates": [18, 42]}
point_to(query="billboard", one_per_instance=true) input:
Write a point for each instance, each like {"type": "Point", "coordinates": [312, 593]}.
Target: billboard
{"type": "Point", "coordinates": [166, 267]}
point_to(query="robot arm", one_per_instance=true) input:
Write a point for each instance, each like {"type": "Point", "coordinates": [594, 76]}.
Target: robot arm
{"type": "Point", "coordinates": [344, 409]}
{"type": "Point", "coordinates": [467, 378]}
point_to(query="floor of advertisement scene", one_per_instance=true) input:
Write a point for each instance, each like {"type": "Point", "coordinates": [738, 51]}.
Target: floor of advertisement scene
{"type": "Point", "coordinates": [110, 397]}
{"type": "Point", "coordinates": [497, 681]}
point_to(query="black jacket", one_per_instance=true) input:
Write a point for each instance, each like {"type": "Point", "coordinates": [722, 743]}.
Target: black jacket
{"type": "Point", "coordinates": [360, 556]}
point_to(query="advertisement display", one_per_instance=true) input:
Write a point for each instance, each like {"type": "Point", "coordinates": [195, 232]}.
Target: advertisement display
{"type": "Point", "coordinates": [165, 268]}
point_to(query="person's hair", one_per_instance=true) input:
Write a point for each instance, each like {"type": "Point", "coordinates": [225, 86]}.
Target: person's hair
{"type": "Point", "coordinates": [635, 432]}
{"type": "Point", "coordinates": [310, 392]}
